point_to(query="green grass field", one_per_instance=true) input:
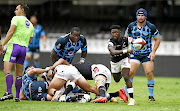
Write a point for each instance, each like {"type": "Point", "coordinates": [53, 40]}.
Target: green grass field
{"type": "Point", "coordinates": [167, 95]}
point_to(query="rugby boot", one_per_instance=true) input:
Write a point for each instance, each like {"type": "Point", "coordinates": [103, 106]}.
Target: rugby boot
{"type": "Point", "coordinates": [100, 100]}
{"type": "Point", "coordinates": [122, 94]}
{"type": "Point", "coordinates": [151, 98]}
{"type": "Point", "coordinates": [131, 101]}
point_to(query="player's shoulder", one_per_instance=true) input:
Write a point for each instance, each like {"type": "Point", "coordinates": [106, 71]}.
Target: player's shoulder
{"type": "Point", "coordinates": [64, 38]}
{"type": "Point", "coordinates": [132, 24]}
{"type": "Point", "coordinates": [39, 26]}
{"type": "Point", "coordinates": [150, 25]}
{"type": "Point", "coordinates": [82, 37]}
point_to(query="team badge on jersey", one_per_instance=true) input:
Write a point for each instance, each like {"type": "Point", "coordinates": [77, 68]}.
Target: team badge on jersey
{"type": "Point", "coordinates": [58, 46]}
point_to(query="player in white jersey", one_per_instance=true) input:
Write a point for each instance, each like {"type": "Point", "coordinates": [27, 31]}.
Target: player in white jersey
{"type": "Point", "coordinates": [64, 73]}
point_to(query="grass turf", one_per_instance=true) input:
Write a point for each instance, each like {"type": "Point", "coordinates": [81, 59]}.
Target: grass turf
{"type": "Point", "coordinates": [166, 93]}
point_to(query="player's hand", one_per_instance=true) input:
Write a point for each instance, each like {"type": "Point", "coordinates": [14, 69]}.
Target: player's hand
{"type": "Point", "coordinates": [152, 56]}
{"type": "Point", "coordinates": [62, 98]}
{"type": "Point", "coordinates": [82, 60]}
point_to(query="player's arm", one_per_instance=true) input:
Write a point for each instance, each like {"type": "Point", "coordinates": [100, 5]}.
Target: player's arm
{"type": "Point", "coordinates": [60, 61]}
{"type": "Point", "coordinates": [156, 45]}
{"type": "Point", "coordinates": [53, 56]}
{"type": "Point", "coordinates": [84, 52]}
{"type": "Point", "coordinates": [36, 71]}
{"type": "Point", "coordinates": [44, 40]}
{"type": "Point", "coordinates": [43, 36]}
{"type": "Point", "coordinates": [113, 51]}
{"type": "Point", "coordinates": [9, 34]}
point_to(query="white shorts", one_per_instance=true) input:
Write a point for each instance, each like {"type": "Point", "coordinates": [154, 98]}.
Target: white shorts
{"type": "Point", "coordinates": [118, 66]}
{"type": "Point", "coordinates": [67, 72]}
{"type": "Point", "coordinates": [101, 69]}
{"type": "Point", "coordinates": [35, 55]}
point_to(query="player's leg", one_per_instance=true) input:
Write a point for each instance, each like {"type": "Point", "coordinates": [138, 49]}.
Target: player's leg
{"type": "Point", "coordinates": [36, 56]}
{"type": "Point", "coordinates": [82, 82]}
{"type": "Point", "coordinates": [100, 84]}
{"type": "Point", "coordinates": [133, 69]}
{"type": "Point", "coordinates": [55, 85]}
{"type": "Point", "coordinates": [27, 59]}
{"type": "Point", "coordinates": [149, 71]}
{"type": "Point", "coordinates": [18, 81]}
{"type": "Point", "coordinates": [116, 71]}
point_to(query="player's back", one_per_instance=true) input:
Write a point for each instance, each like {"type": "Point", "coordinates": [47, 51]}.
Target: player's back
{"type": "Point", "coordinates": [24, 30]}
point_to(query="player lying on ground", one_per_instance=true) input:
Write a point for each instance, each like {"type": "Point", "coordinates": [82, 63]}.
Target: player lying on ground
{"type": "Point", "coordinates": [31, 88]}
{"type": "Point", "coordinates": [97, 72]}
{"type": "Point", "coordinates": [37, 90]}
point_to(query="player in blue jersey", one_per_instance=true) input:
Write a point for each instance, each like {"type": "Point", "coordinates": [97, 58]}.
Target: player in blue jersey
{"type": "Point", "coordinates": [67, 46]}
{"type": "Point", "coordinates": [143, 28]}
{"type": "Point", "coordinates": [33, 47]}
{"type": "Point", "coordinates": [31, 88]}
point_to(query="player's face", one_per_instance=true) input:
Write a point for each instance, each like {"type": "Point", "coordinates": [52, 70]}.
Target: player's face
{"type": "Point", "coordinates": [33, 20]}
{"type": "Point", "coordinates": [75, 36]}
{"type": "Point", "coordinates": [115, 33]}
{"type": "Point", "coordinates": [140, 18]}
{"type": "Point", "coordinates": [18, 10]}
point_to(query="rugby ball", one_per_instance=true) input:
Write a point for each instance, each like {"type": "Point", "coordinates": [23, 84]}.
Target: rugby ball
{"type": "Point", "coordinates": [139, 43]}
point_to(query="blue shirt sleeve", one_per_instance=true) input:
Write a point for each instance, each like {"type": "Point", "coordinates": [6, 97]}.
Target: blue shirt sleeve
{"type": "Point", "coordinates": [43, 33]}
{"type": "Point", "coordinates": [59, 44]}
{"type": "Point", "coordinates": [84, 46]}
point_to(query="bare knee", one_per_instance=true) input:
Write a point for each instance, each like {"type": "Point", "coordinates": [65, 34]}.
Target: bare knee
{"type": "Point", "coordinates": [150, 75]}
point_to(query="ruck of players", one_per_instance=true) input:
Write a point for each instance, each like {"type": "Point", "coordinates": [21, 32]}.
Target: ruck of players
{"type": "Point", "coordinates": [64, 81]}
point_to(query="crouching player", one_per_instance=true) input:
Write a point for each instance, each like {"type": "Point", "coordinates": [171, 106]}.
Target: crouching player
{"type": "Point", "coordinates": [97, 72]}
{"type": "Point", "coordinates": [63, 73]}
{"type": "Point", "coordinates": [31, 88]}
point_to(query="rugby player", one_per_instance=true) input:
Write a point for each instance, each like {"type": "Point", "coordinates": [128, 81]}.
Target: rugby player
{"type": "Point", "coordinates": [67, 46]}
{"type": "Point", "coordinates": [120, 49]}
{"type": "Point", "coordinates": [143, 28]}
{"type": "Point", "coordinates": [33, 47]}
{"type": "Point", "coordinates": [97, 72]}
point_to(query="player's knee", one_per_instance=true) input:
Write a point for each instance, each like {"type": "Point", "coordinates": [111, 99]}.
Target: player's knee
{"type": "Point", "coordinates": [100, 81]}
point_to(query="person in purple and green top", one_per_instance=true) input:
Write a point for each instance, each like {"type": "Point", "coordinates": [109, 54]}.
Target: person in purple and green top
{"type": "Point", "coordinates": [18, 38]}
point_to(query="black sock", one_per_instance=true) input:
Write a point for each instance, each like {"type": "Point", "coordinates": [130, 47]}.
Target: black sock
{"type": "Point", "coordinates": [131, 95]}
{"type": "Point", "coordinates": [68, 89]}
{"type": "Point", "coordinates": [102, 90]}
{"type": "Point", "coordinates": [115, 94]}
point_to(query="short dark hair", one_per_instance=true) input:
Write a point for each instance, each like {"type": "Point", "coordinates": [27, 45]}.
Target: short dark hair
{"type": "Point", "coordinates": [115, 27]}
{"type": "Point", "coordinates": [28, 67]}
{"type": "Point", "coordinates": [75, 29]}
{"type": "Point", "coordinates": [25, 7]}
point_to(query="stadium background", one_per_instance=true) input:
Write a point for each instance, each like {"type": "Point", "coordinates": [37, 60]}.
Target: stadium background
{"type": "Point", "coordinates": [94, 17]}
